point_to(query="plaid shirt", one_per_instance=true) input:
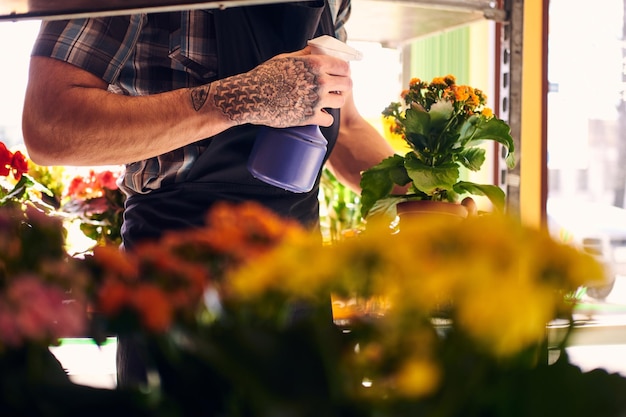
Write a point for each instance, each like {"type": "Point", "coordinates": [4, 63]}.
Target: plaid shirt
{"type": "Point", "coordinates": [146, 54]}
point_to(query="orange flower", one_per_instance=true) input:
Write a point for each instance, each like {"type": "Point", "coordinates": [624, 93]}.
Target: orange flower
{"type": "Point", "coordinates": [462, 93]}
{"type": "Point", "coordinates": [181, 274]}
{"type": "Point", "coordinates": [480, 94]}
{"type": "Point", "coordinates": [155, 311]}
{"type": "Point", "coordinates": [116, 261]}
{"type": "Point", "coordinates": [112, 297]}
{"type": "Point", "coordinates": [449, 79]}
{"type": "Point", "coordinates": [247, 229]}
{"type": "Point", "coordinates": [473, 100]}
{"type": "Point", "coordinates": [439, 81]}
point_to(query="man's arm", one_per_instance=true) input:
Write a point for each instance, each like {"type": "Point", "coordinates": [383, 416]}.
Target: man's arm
{"type": "Point", "coordinates": [359, 147]}
{"type": "Point", "coordinates": [70, 118]}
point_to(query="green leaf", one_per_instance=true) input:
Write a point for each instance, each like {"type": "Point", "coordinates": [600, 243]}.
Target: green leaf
{"type": "Point", "coordinates": [492, 192]}
{"type": "Point", "coordinates": [418, 142]}
{"type": "Point", "coordinates": [385, 209]}
{"type": "Point", "coordinates": [378, 181]}
{"type": "Point", "coordinates": [19, 189]}
{"type": "Point", "coordinates": [440, 113]}
{"type": "Point", "coordinates": [417, 121]}
{"type": "Point", "coordinates": [510, 160]}
{"type": "Point", "coordinates": [429, 179]}
{"type": "Point", "coordinates": [36, 185]}
{"type": "Point", "coordinates": [472, 158]}
{"type": "Point", "coordinates": [476, 129]}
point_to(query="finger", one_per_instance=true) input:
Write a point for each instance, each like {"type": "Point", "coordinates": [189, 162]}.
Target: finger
{"type": "Point", "coordinates": [333, 100]}
{"type": "Point", "coordinates": [323, 118]}
{"type": "Point", "coordinates": [329, 65]}
{"type": "Point", "coordinates": [470, 205]}
{"type": "Point", "coordinates": [335, 85]}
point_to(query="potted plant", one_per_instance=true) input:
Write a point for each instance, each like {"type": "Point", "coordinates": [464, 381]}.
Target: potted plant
{"type": "Point", "coordinates": [443, 123]}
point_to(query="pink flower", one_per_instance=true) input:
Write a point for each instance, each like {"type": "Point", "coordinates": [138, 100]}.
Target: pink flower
{"type": "Point", "coordinates": [35, 311]}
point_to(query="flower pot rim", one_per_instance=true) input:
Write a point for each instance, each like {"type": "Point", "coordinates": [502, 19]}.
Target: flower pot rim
{"type": "Point", "coordinates": [439, 207]}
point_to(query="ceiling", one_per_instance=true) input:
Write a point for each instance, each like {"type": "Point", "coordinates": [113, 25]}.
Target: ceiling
{"type": "Point", "coordinates": [390, 22]}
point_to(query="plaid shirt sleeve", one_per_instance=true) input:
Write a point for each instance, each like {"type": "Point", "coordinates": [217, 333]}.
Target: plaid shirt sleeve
{"type": "Point", "coordinates": [100, 46]}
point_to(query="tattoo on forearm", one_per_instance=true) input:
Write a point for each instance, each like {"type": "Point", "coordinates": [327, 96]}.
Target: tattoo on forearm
{"type": "Point", "coordinates": [199, 96]}
{"type": "Point", "coordinates": [282, 91]}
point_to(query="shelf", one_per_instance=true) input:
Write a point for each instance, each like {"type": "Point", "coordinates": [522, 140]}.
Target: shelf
{"type": "Point", "coordinates": [14, 10]}
{"type": "Point", "coordinates": [390, 22]}
{"type": "Point", "coordinates": [396, 22]}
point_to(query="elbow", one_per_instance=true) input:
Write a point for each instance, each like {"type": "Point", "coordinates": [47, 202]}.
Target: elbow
{"type": "Point", "coordinates": [33, 142]}
{"type": "Point", "coordinates": [39, 142]}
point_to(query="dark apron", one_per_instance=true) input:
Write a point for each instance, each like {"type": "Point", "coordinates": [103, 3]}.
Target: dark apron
{"type": "Point", "coordinates": [246, 36]}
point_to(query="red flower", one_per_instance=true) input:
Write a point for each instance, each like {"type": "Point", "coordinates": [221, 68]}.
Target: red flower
{"type": "Point", "coordinates": [92, 186]}
{"type": "Point", "coordinates": [12, 162]}
{"type": "Point", "coordinates": [78, 187]}
{"type": "Point", "coordinates": [5, 160]}
{"type": "Point", "coordinates": [19, 165]}
{"type": "Point", "coordinates": [105, 179]}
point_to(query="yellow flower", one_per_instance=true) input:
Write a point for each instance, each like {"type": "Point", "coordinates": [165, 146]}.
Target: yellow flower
{"type": "Point", "coordinates": [506, 316]}
{"type": "Point", "coordinates": [417, 378]}
{"type": "Point", "coordinates": [487, 112]}
{"type": "Point", "coordinates": [287, 269]}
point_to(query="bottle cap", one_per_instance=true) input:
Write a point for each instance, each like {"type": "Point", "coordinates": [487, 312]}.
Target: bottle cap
{"type": "Point", "coordinates": [327, 45]}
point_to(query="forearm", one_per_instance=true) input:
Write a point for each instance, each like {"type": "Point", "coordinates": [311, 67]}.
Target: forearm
{"type": "Point", "coordinates": [71, 119]}
{"type": "Point", "coordinates": [79, 122]}
{"type": "Point", "coordinates": [116, 131]}
{"type": "Point", "coordinates": [359, 147]}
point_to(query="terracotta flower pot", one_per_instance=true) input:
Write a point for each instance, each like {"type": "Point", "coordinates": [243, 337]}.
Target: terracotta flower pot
{"type": "Point", "coordinates": [427, 207]}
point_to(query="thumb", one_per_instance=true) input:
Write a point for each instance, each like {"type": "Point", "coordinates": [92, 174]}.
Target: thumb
{"type": "Point", "coordinates": [302, 52]}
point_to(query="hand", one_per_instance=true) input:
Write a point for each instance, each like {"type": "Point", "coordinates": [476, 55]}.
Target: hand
{"type": "Point", "coordinates": [470, 205]}
{"type": "Point", "coordinates": [288, 90]}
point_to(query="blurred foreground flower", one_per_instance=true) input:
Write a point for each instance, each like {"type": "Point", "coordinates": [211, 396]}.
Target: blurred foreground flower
{"type": "Point", "coordinates": [234, 319]}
